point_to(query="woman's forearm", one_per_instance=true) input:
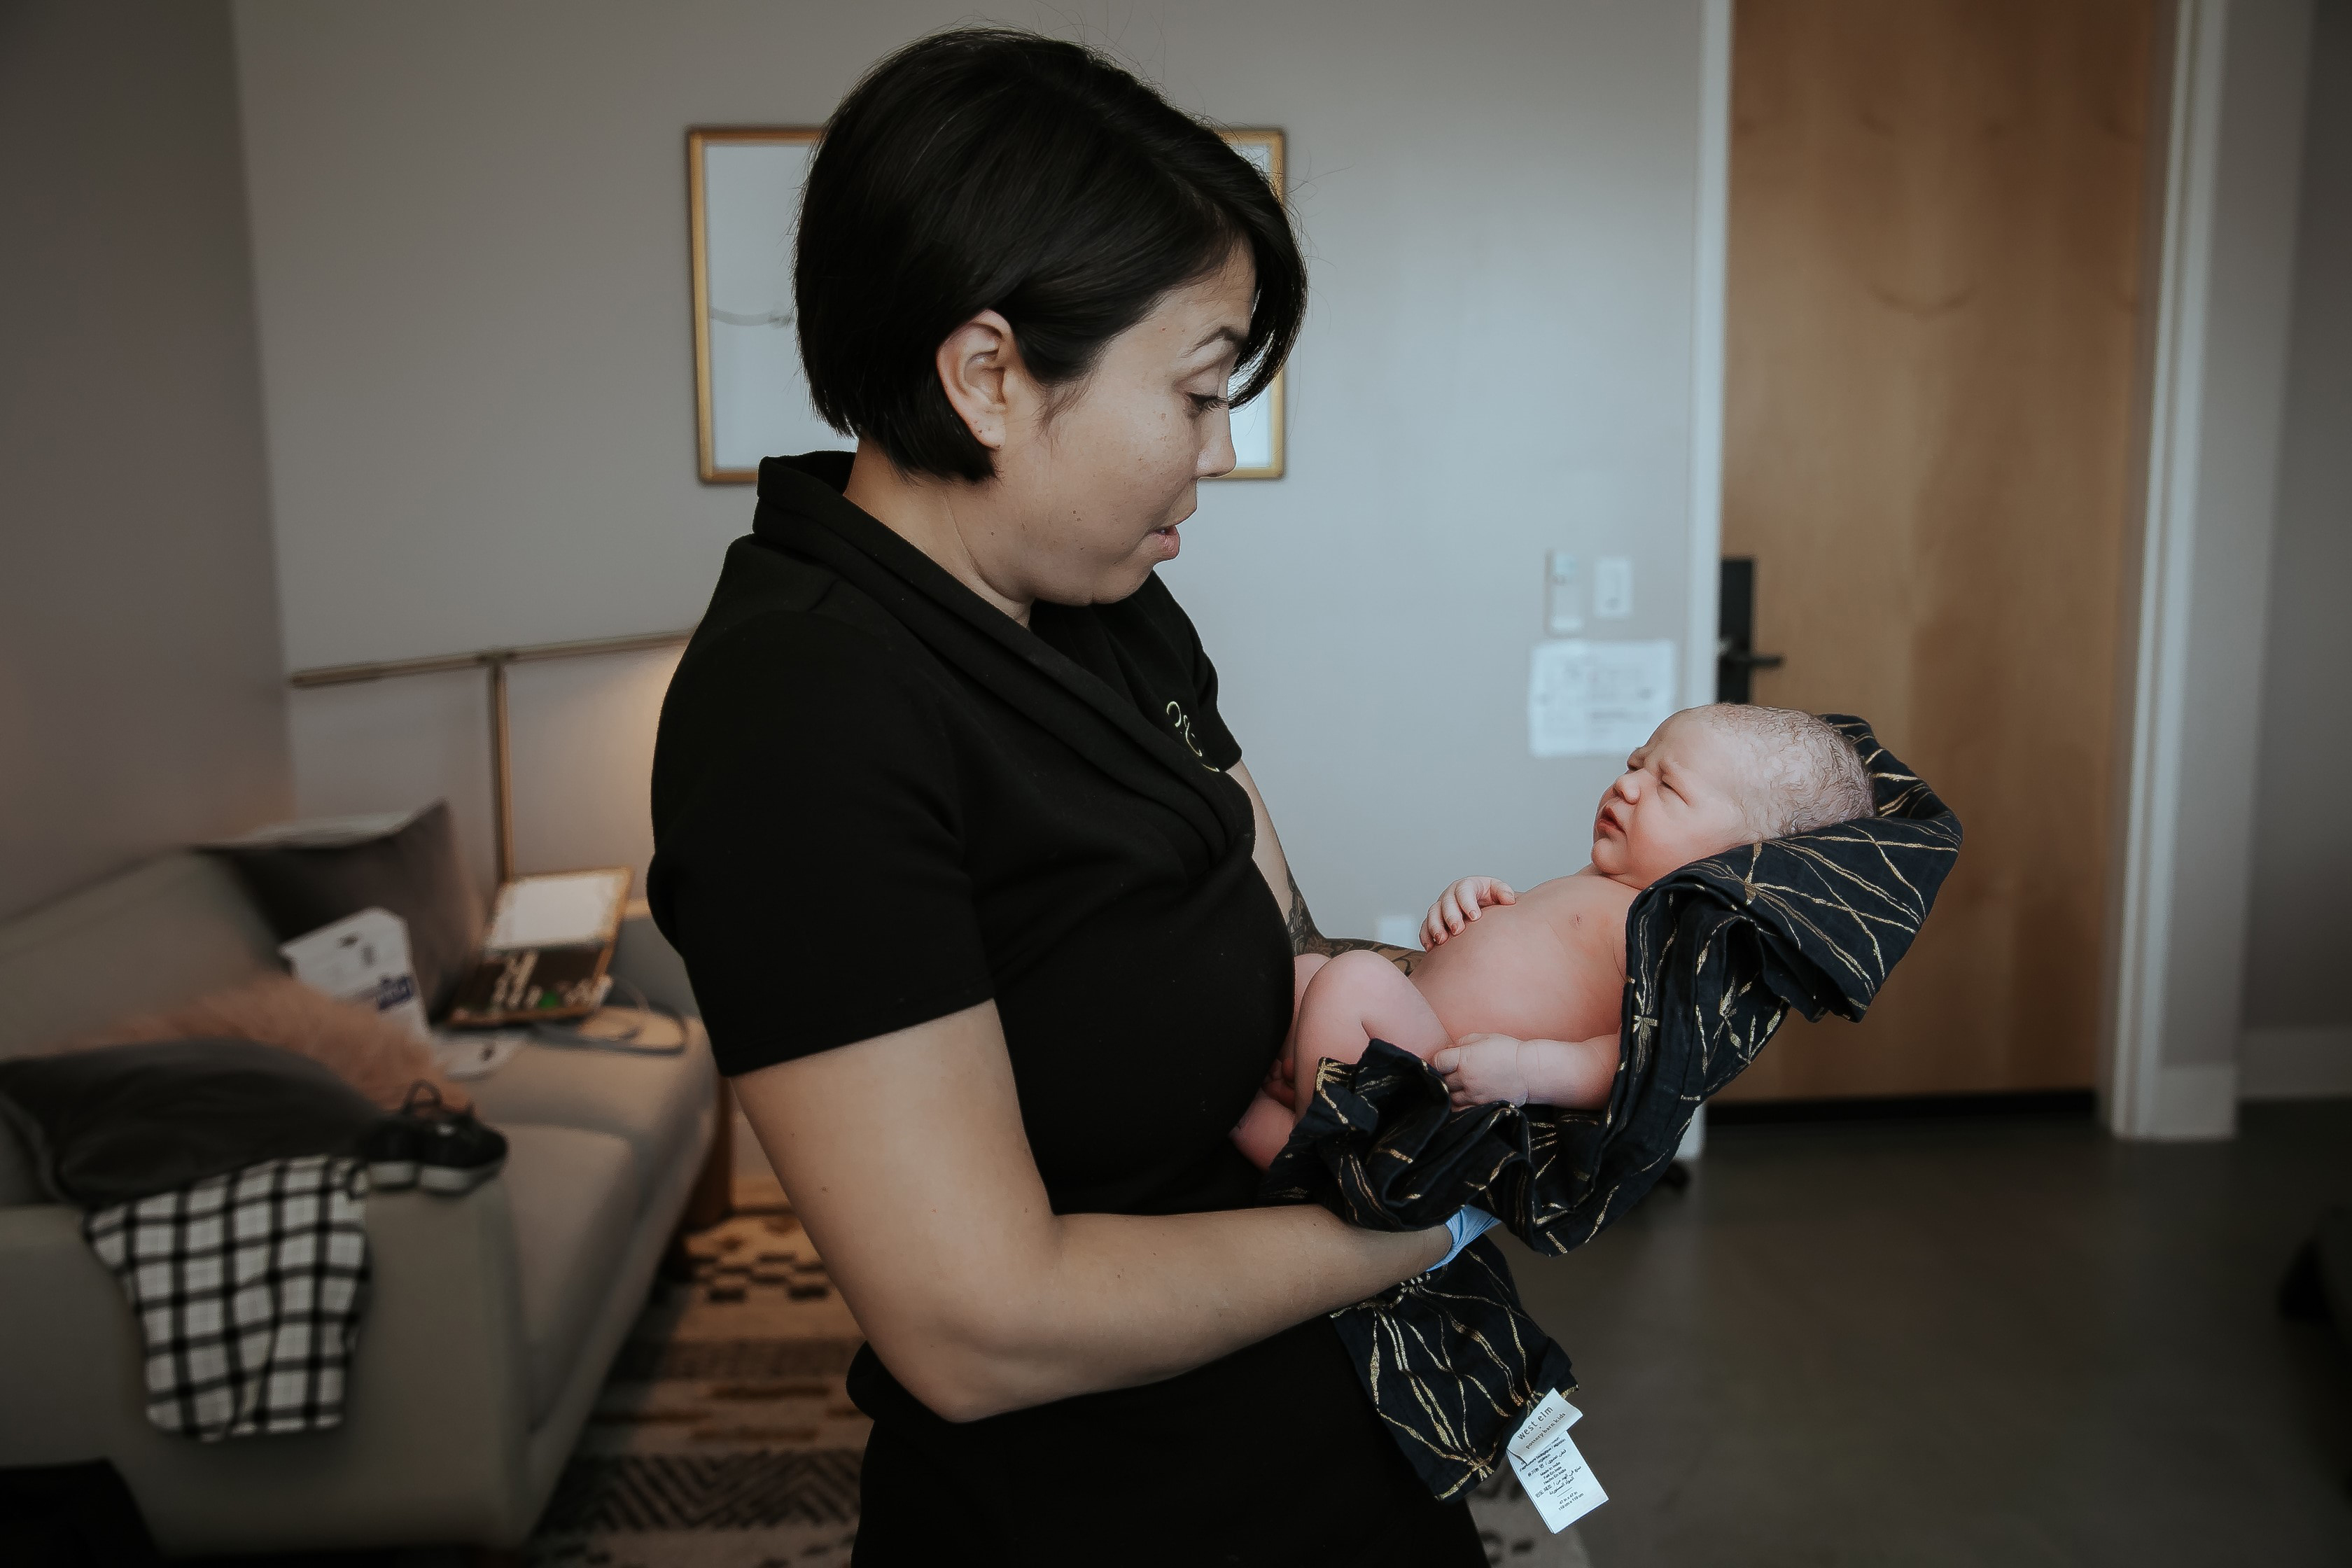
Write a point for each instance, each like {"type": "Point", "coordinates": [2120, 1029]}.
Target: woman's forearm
{"type": "Point", "coordinates": [906, 1158]}
{"type": "Point", "coordinates": [1126, 1300]}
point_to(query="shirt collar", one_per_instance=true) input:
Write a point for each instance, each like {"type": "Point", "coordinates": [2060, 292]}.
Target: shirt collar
{"type": "Point", "coordinates": [803, 511]}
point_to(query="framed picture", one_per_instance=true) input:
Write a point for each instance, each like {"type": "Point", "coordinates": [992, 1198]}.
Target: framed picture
{"type": "Point", "coordinates": [751, 398]}
{"type": "Point", "coordinates": [743, 202]}
{"type": "Point", "coordinates": [1257, 425]}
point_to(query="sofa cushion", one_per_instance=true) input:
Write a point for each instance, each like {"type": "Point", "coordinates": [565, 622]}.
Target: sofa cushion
{"type": "Point", "coordinates": [157, 935]}
{"type": "Point", "coordinates": [573, 1196]}
{"type": "Point", "coordinates": [304, 875]}
{"type": "Point", "coordinates": [656, 1104]}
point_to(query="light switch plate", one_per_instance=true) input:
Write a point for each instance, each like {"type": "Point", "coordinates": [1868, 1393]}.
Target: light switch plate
{"type": "Point", "coordinates": [1613, 586]}
{"type": "Point", "coordinates": [1563, 614]}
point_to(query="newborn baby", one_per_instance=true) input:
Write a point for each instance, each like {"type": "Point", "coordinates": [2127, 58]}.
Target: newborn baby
{"type": "Point", "coordinates": [1520, 994]}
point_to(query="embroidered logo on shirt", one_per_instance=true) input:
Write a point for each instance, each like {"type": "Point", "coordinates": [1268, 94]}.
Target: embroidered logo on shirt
{"type": "Point", "coordinates": [1184, 727]}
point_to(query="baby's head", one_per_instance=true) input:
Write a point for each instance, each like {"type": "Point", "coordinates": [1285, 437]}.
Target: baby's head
{"type": "Point", "coordinates": [1726, 774]}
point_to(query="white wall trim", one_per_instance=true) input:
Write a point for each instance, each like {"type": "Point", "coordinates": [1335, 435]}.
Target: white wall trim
{"type": "Point", "coordinates": [2144, 1098]}
{"type": "Point", "coordinates": [2311, 1062]}
{"type": "Point", "coordinates": [1706, 381]}
{"type": "Point", "coordinates": [1706, 346]}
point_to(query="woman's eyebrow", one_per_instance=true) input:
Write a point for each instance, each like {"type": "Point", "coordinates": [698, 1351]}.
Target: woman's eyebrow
{"type": "Point", "coordinates": [1215, 334]}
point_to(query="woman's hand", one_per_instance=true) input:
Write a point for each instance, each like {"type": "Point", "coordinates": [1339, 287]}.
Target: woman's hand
{"type": "Point", "coordinates": [906, 1158]}
{"type": "Point", "coordinates": [1459, 905]}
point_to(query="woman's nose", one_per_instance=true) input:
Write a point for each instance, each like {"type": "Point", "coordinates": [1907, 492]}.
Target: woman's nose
{"type": "Point", "coordinates": [1217, 458]}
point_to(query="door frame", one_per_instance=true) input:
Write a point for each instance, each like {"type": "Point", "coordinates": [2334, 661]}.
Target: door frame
{"type": "Point", "coordinates": [2133, 1094]}
{"type": "Point", "coordinates": [2232, 88]}
{"type": "Point", "coordinates": [1712, 231]}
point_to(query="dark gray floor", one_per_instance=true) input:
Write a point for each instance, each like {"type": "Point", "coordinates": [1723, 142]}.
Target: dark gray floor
{"type": "Point", "coordinates": [2015, 1342]}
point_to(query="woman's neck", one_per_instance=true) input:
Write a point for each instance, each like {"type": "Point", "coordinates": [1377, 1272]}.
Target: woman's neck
{"type": "Point", "coordinates": [938, 516]}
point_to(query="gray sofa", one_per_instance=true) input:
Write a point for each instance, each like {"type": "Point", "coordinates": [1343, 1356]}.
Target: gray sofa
{"type": "Point", "coordinates": [495, 1315]}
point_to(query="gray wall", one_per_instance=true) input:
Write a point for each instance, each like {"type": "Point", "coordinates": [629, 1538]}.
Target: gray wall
{"type": "Point", "coordinates": [470, 236]}
{"type": "Point", "coordinates": [2297, 1010]}
{"type": "Point", "coordinates": [140, 705]}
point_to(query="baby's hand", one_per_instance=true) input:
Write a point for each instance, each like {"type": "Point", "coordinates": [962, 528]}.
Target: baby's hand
{"type": "Point", "coordinates": [1459, 905]}
{"type": "Point", "coordinates": [1482, 1069]}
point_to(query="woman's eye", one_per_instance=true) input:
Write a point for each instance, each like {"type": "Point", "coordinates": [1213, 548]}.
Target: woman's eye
{"type": "Point", "coordinates": [1203, 402]}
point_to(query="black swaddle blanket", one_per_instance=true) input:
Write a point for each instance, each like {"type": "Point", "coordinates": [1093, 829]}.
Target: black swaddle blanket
{"type": "Point", "coordinates": [1716, 954]}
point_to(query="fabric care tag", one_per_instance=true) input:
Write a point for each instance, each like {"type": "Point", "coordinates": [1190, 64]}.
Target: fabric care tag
{"type": "Point", "coordinates": [1549, 1466]}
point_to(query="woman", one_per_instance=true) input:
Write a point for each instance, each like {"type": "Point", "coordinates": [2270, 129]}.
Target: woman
{"type": "Point", "coordinates": [986, 918]}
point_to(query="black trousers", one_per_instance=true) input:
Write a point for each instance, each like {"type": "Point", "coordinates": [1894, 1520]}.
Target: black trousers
{"type": "Point", "coordinates": [914, 1518]}
{"type": "Point", "coordinates": [1272, 1458]}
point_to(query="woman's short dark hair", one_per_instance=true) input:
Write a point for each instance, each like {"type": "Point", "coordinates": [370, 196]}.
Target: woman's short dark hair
{"type": "Point", "coordinates": [989, 169]}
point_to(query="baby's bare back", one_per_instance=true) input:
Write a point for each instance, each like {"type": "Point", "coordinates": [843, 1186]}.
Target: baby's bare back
{"type": "Point", "coordinates": [1549, 967]}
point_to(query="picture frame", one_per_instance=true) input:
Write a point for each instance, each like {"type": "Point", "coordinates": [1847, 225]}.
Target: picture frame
{"type": "Point", "coordinates": [1259, 432]}
{"type": "Point", "coordinates": [751, 395]}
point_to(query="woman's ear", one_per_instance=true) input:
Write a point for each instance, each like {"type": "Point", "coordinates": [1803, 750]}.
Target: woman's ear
{"type": "Point", "coordinates": [975, 364]}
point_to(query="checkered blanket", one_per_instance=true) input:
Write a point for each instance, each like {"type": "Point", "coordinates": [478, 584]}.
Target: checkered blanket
{"type": "Point", "coordinates": [249, 1290]}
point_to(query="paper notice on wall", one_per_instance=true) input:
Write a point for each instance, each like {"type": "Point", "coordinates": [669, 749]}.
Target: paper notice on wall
{"type": "Point", "coordinates": [1588, 698]}
{"type": "Point", "coordinates": [1558, 1480]}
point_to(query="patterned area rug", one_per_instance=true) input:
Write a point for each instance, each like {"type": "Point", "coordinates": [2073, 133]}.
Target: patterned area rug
{"type": "Point", "coordinates": [723, 1438]}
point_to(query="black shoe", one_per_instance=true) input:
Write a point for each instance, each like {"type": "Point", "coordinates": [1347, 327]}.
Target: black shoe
{"type": "Point", "coordinates": [393, 1146]}
{"type": "Point", "coordinates": [429, 1144]}
{"type": "Point", "coordinates": [458, 1155]}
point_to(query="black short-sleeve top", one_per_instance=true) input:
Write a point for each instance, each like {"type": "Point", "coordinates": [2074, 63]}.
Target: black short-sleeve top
{"type": "Point", "coordinates": [877, 800]}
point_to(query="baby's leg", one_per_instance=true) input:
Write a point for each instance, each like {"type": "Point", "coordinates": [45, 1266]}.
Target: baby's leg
{"type": "Point", "coordinates": [1264, 1127]}
{"type": "Point", "coordinates": [1303, 969]}
{"type": "Point", "coordinates": [1357, 998]}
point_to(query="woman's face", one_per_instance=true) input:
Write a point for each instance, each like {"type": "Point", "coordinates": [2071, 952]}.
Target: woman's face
{"type": "Point", "coordinates": [1093, 477]}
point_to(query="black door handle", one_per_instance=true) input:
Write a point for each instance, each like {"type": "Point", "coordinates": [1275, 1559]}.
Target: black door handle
{"type": "Point", "coordinates": [1736, 659]}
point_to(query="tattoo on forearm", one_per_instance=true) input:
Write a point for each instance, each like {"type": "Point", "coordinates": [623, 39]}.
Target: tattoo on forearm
{"type": "Point", "coordinates": [1304, 938]}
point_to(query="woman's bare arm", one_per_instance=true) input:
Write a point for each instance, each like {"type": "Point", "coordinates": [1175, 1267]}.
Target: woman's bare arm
{"type": "Point", "coordinates": [1275, 869]}
{"type": "Point", "coordinates": [903, 1156]}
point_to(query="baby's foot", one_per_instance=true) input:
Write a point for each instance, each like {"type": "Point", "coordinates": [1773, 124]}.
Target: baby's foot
{"type": "Point", "coordinates": [1262, 1129]}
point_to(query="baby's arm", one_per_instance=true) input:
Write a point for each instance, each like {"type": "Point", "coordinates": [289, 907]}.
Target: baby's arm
{"type": "Point", "coordinates": [1481, 1069]}
{"type": "Point", "coordinates": [1459, 905]}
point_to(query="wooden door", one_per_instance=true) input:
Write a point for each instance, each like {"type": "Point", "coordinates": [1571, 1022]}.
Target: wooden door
{"type": "Point", "coordinates": [1934, 273]}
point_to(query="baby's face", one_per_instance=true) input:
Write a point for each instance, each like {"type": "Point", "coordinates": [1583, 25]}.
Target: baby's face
{"type": "Point", "coordinates": [1678, 801]}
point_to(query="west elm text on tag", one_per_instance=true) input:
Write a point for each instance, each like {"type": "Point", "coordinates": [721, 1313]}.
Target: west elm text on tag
{"type": "Point", "coordinates": [1547, 1462]}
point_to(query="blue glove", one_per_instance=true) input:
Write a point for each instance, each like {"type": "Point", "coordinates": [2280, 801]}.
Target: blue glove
{"type": "Point", "coordinates": [1466, 1225]}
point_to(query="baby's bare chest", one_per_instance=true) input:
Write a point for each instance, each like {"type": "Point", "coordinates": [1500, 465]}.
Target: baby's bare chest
{"type": "Point", "coordinates": [1550, 966]}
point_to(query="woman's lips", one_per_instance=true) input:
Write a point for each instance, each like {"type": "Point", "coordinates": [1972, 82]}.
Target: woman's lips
{"type": "Point", "coordinates": [1168, 542]}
